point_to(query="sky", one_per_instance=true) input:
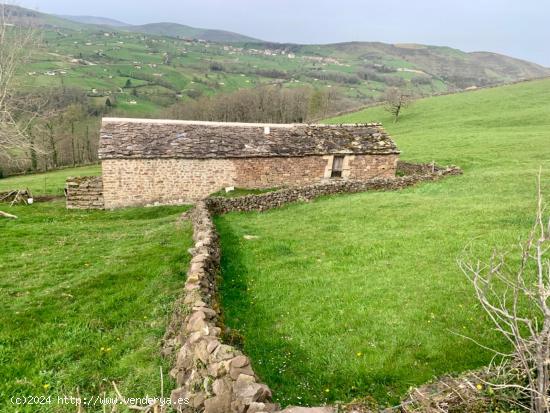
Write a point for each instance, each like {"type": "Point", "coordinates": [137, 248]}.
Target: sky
{"type": "Point", "coordinates": [516, 28]}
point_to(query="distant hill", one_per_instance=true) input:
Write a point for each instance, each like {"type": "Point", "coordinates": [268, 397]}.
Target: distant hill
{"type": "Point", "coordinates": [183, 31]}
{"type": "Point", "coordinates": [21, 15]}
{"type": "Point", "coordinates": [165, 29]}
{"type": "Point", "coordinates": [28, 16]}
{"type": "Point", "coordinates": [452, 66]}
{"type": "Point", "coordinates": [101, 21]}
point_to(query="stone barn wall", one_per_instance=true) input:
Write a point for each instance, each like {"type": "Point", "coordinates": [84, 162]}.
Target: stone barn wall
{"type": "Point", "coordinates": [133, 182]}
{"type": "Point", "coordinates": [263, 173]}
{"type": "Point", "coordinates": [274, 172]}
{"type": "Point", "coordinates": [85, 192]}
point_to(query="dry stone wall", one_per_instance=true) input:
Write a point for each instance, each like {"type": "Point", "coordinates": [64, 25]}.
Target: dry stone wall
{"type": "Point", "coordinates": [84, 192]}
{"type": "Point", "coordinates": [213, 377]}
{"type": "Point", "coordinates": [262, 202]}
{"type": "Point", "coordinates": [410, 168]}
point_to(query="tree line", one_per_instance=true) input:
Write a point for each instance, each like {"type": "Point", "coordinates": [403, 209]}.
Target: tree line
{"type": "Point", "coordinates": [273, 104]}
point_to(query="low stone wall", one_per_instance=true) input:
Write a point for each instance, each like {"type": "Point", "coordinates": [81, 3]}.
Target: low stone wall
{"type": "Point", "coordinates": [213, 377]}
{"type": "Point", "coordinates": [262, 202]}
{"type": "Point", "coordinates": [409, 168]}
{"type": "Point", "coordinates": [84, 192]}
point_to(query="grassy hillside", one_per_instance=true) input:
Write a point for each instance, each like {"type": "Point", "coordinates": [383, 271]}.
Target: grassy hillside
{"type": "Point", "coordinates": [359, 295]}
{"type": "Point", "coordinates": [164, 69]}
{"type": "Point", "coordinates": [102, 21]}
{"type": "Point", "coordinates": [183, 31]}
{"type": "Point", "coordinates": [83, 304]}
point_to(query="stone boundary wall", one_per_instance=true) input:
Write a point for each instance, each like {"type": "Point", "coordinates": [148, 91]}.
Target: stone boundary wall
{"type": "Point", "coordinates": [84, 192]}
{"type": "Point", "coordinates": [409, 168]}
{"type": "Point", "coordinates": [213, 377]}
{"type": "Point", "coordinates": [262, 202]}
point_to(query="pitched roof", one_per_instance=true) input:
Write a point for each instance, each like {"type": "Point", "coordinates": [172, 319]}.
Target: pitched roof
{"type": "Point", "coordinates": [151, 138]}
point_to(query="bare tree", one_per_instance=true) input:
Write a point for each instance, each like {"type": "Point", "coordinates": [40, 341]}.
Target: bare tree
{"type": "Point", "coordinates": [515, 297]}
{"type": "Point", "coordinates": [396, 100]}
{"type": "Point", "coordinates": [16, 42]}
{"type": "Point", "coordinates": [261, 104]}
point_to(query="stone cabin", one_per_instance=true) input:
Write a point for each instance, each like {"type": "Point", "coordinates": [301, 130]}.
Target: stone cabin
{"type": "Point", "coordinates": [168, 161]}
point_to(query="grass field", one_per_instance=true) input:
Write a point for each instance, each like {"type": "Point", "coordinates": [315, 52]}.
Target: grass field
{"type": "Point", "coordinates": [85, 298]}
{"type": "Point", "coordinates": [359, 295]}
{"type": "Point", "coordinates": [49, 183]}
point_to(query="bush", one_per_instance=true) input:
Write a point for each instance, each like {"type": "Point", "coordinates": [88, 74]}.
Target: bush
{"type": "Point", "coordinates": [216, 67]}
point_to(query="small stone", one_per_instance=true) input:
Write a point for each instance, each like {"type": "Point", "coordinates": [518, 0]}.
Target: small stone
{"type": "Point", "coordinates": [250, 237]}
{"type": "Point", "coordinates": [213, 345]}
{"type": "Point", "coordinates": [247, 390]}
{"type": "Point", "coordinates": [215, 331]}
{"type": "Point", "coordinates": [223, 352]}
{"type": "Point", "coordinates": [194, 337]}
{"type": "Point", "coordinates": [201, 351]}
{"type": "Point", "coordinates": [199, 258]}
{"type": "Point", "coordinates": [235, 372]}
{"type": "Point", "coordinates": [208, 311]}
{"type": "Point", "coordinates": [196, 321]}
{"type": "Point", "coordinates": [221, 386]}
{"type": "Point", "coordinates": [184, 360]}
{"type": "Point", "coordinates": [197, 400]}
{"type": "Point", "coordinates": [218, 404]}
{"type": "Point", "coordinates": [293, 409]}
{"type": "Point", "coordinates": [240, 361]}
{"type": "Point", "coordinates": [258, 407]}
{"type": "Point", "coordinates": [255, 407]}
{"type": "Point", "coordinates": [178, 397]}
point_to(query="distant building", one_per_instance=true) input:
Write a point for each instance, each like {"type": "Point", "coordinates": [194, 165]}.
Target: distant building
{"type": "Point", "coordinates": [167, 161]}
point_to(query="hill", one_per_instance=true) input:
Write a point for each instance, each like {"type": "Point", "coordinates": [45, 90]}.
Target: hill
{"type": "Point", "coordinates": [452, 66]}
{"type": "Point", "coordinates": [23, 16]}
{"type": "Point", "coordinates": [183, 31]}
{"type": "Point", "coordinates": [361, 294]}
{"type": "Point", "coordinates": [165, 29]}
{"type": "Point", "coordinates": [150, 67]}
{"type": "Point", "coordinates": [101, 21]}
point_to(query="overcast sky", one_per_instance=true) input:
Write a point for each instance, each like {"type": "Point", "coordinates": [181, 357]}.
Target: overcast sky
{"type": "Point", "coordinates": [516, 28]}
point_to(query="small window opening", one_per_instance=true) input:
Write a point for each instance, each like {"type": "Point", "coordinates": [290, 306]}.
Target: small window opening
{"type": "Point", "coordinates": [337, 165]}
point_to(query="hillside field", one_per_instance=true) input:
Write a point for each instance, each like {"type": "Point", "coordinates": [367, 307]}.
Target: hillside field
{"type": "Point", "coordinates": [360, 295]}
{"type": "Point", "coordinates": [145, 69]}
{"type": "Point", "coordinates": [85, 298]}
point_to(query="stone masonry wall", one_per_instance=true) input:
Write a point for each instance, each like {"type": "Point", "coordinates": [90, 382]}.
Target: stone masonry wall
{"type": "Point", "coordinates": [363, 167]}
{"type": "Point", "coordinates": [84, 192]}
{"type": "Point", "coordinates": [133, 182]}
{"type": "Point", "coordinates": [276, 172]}
{"type": "Point", "coordinates": [213, 377]}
